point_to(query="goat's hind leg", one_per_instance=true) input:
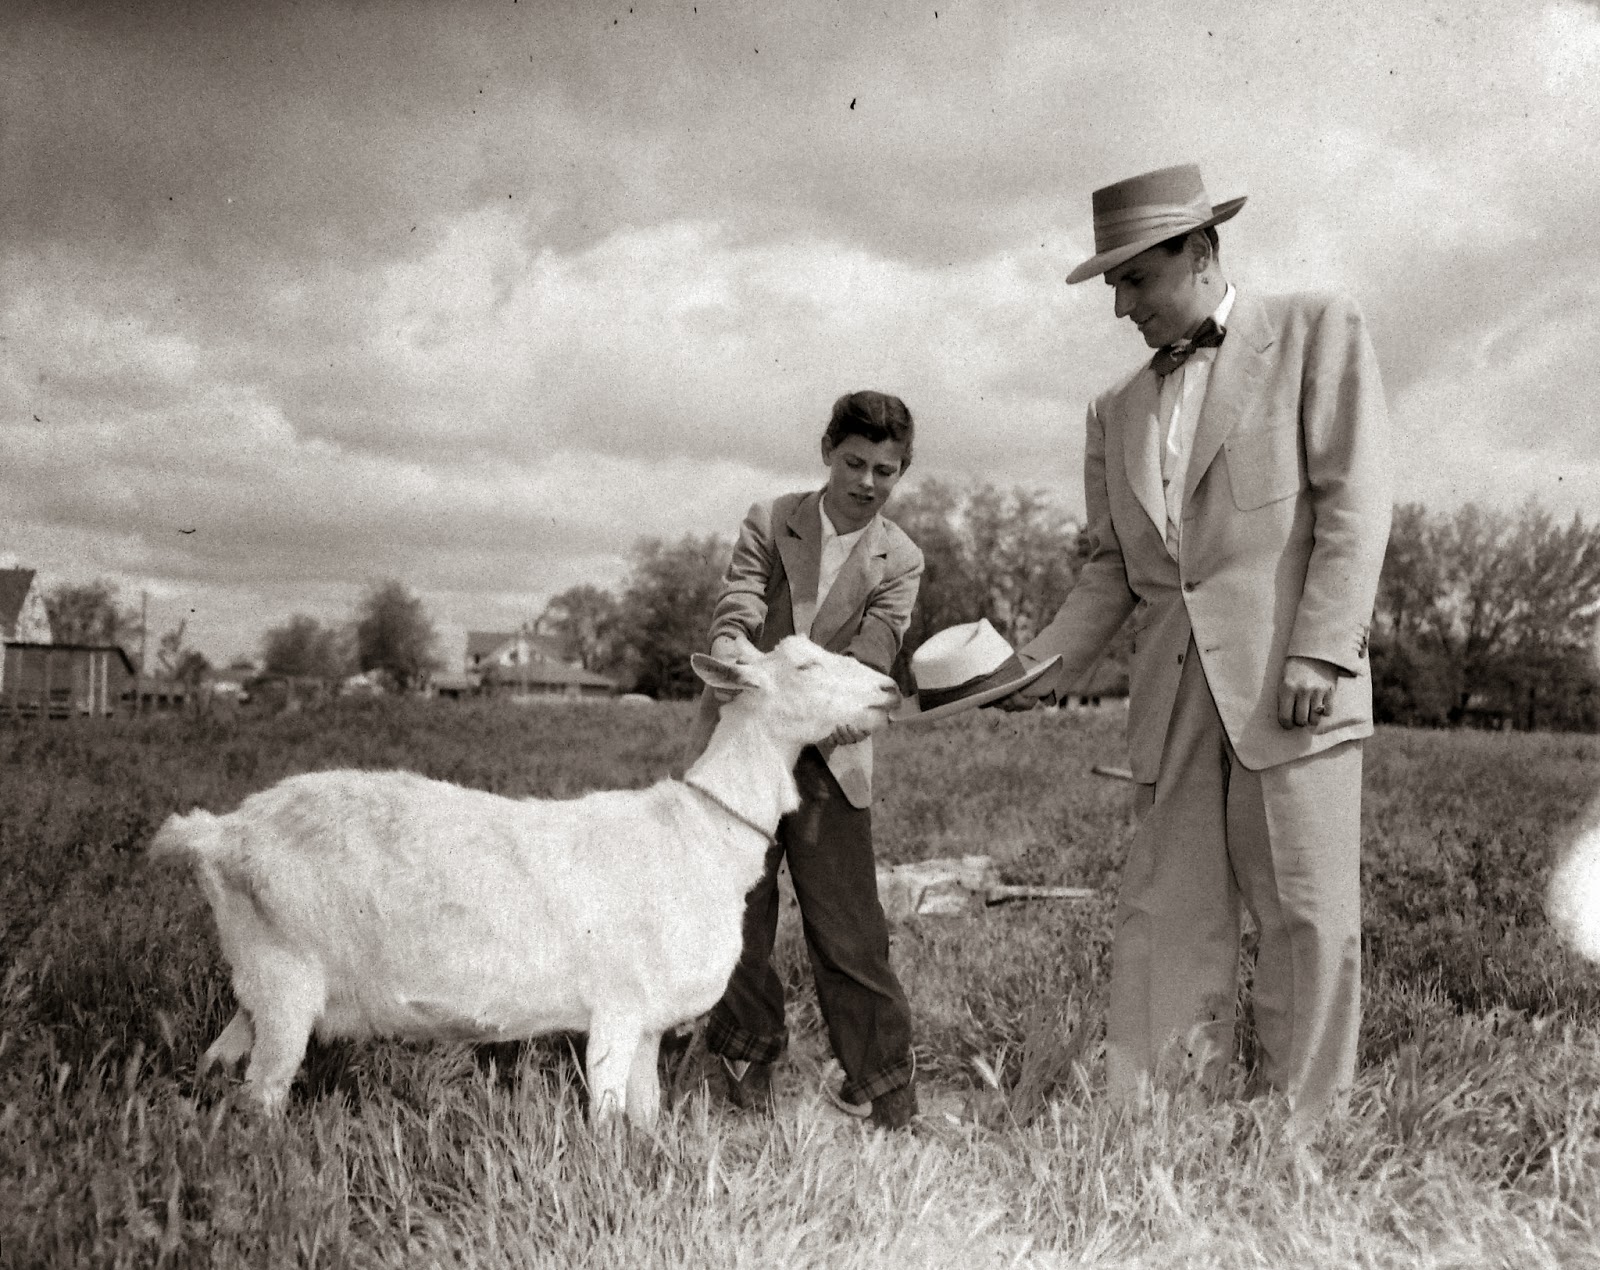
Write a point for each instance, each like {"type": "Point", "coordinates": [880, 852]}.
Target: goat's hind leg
{"type": "Point", "coordinates": [231, 1045]}
{"type": "Point", "coordinates": [285, 999]}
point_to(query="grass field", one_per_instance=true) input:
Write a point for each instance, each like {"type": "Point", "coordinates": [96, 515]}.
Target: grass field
{"type": "Point", "coordinates": [1473, 1137]}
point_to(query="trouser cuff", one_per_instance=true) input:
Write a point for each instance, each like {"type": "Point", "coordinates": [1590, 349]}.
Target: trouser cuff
{"type": "Point", "coordinates": [882, 1082]}
{"type": "Point", "coordinates": [727, 1038]}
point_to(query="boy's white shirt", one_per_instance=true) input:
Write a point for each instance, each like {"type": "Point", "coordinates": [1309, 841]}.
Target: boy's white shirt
{"type": "Point", "coordinates": [836, 549]}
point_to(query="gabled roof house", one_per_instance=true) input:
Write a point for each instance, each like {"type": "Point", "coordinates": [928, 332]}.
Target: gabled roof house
{"type": "Point", "coordinates": [22, 613]}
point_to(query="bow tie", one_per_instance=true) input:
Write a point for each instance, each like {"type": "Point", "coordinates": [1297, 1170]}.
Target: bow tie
{"type": "Point", "coordinates": [1173, 355]}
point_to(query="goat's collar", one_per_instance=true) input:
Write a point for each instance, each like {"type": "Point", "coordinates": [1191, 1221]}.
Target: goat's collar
{"type": "Point", "coordinates": [769, 834]}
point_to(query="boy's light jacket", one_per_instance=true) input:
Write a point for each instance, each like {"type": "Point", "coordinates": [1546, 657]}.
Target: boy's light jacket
{"type": "Point", "coordinates": [865, 615]}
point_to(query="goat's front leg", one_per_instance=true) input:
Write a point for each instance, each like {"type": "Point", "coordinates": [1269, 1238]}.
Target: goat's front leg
{"type": "Point", "coordinates": [613, 1042]}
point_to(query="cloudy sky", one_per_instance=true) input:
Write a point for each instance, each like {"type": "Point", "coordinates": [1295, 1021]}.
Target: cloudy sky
{"type": "Point", "coordinates": [475, 295]}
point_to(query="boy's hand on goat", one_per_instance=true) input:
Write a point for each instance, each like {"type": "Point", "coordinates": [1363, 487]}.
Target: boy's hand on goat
{"type": "Point", "coordinates": [847, 735]}
{"type": "Point", "coordinates": [737, 650]}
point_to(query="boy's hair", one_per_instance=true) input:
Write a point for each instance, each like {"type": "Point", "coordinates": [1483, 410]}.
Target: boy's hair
{"type": "Point", "coordinates": [874, 415]}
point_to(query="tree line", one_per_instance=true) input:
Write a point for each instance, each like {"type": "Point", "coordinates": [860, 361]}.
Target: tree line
{"type": "Point", "coordinates": [1487, 617]}
{"type": "Point", "coordinates": [1482, 618]}
{"type": "Point", "coordinates": [1007, 555]}
{"type": "Point", "coordinates": [389, 634]}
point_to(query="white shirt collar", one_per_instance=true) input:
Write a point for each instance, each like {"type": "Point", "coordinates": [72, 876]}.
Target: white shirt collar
{"type": "Point", "coordinates": [1220, 316]}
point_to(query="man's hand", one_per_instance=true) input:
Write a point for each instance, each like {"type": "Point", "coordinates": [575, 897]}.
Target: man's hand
{"type": "Point", "coordinates": [1306, 694]}
{"type": "Point", "coordinates": [1020, 700]}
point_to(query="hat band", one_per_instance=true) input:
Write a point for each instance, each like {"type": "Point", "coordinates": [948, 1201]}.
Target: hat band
{"type": "Point", "coordinates": [932, 698]}
{"type": "Point", "coordinates": [1118, 229]}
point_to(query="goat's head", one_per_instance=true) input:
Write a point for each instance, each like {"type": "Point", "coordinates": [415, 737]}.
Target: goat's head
{"type": "Point", "coordinates": [801, 690]}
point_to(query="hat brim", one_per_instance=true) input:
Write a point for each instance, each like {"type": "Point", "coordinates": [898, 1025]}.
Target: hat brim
{"type": "Point", "coordinates": [910, 712]}
{"type": "Point", "coordinates": [1096, 265]}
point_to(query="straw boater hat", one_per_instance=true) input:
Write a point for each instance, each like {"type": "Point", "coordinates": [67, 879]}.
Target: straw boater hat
{"type": "Point", "coordinates": [961, 668]}
{"type": "Point", "coordinates": [1134, 215]}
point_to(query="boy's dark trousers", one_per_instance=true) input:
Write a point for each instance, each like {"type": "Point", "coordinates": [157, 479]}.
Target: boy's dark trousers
{"type": "Point", "coordinates": [829, 847]}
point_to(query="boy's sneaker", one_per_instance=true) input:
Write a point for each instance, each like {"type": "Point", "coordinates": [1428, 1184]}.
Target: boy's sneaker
{"type": "Point", "coordinates": [749, 1085]}
{"type": "Point", "coordinates": [895, 1109]}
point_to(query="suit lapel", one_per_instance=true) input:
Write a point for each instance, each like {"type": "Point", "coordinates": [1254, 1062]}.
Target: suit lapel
{"type": "Point", "coordinates": [1139, 408]}
{"type": "Point", "coordinates": [800, 549]}
{"type": "Point", "coordinates": [863, 570]}
{"type": "Point", "coordinates": [1233, 385]}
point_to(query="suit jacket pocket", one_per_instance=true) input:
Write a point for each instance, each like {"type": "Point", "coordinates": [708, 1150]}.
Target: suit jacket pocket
{"type": "Point", "coordinates": [1264, 466]}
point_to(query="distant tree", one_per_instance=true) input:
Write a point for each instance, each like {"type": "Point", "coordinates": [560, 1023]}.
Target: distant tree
{"type": "Point", "coordinates": [583, 621]}
{"type": "Point", "coordinates": [664, 613]}
{"type": "Point", "coordinates": [1025, 547]}
{"type": "Point", "coordinates": [1554, 625]}
{"type": "Point", "coordinates": [175, 661]}
{"type": "Point", "coordinates": [951, 590]}
{"type": "Point", "coordinates": [1008, 556]}
{"type": "Point", "coordinates": [303, 647]}
{"type": "Point", "coordinates": [1483, 613]}
{"type": "Point", "coordinates": [394, 635]}
{"type": "Point", "coordinates": [1414, 680]}
{"type": "Point", "coordinates": [89, 613]}
{"type": "Point", "coordinates": [193, 666]}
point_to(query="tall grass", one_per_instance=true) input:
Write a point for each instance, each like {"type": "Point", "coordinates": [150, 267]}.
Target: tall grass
{"type": "Point", "coordinates": [1473, 1135]}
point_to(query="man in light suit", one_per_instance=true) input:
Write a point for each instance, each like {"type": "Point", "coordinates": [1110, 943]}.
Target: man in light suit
{"type": "Point", "coordinates": [1238, 509]}
{"type": "Point", "coordinates": [827, 564]}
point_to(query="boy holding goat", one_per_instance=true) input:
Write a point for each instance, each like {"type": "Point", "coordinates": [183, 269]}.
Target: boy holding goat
{"type": "Point", "coordinates": [829, 565]}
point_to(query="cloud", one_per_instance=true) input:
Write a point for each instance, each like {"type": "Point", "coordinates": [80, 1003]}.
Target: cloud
{"type": "Point", "coordinates": [478, 295]}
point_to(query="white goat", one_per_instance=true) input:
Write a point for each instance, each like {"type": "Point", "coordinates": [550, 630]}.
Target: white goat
{"type": "Point", "coordinates": [361, 904]}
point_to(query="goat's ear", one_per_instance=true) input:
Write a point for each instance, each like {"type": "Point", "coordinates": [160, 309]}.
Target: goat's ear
{"type": "Point", "coordinates": [721, 674]}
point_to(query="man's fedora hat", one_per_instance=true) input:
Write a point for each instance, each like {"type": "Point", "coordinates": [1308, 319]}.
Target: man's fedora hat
{"type": "Point", "coordinates": [1134, 215]}
{"type": "Point", "coordinates": [961, 668]}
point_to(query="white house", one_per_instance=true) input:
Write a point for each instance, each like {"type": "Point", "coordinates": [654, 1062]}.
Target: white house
{"type": "Point", "coordinates": [507, 649]}
{"type": "Point", "coordinates": [520, 664]}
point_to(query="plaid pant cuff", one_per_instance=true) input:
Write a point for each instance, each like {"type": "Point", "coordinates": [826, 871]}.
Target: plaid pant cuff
{"type": "Point", "coordinates": [875, 1086]}
{"type": "Point", "coordinates": [727, 1038]}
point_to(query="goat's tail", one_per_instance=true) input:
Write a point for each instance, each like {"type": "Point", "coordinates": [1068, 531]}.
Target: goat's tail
{"type": "Point", "coordinates": [197, 835]}
{"type": "Point", "coordinates": [211, 845]}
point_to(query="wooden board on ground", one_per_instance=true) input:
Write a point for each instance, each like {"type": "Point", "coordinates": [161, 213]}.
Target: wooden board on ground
{"type": "Point", "coordinates": [955, 885]}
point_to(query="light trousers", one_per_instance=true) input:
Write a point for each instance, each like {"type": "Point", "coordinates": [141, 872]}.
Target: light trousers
{"type": "Point", "coordinates": [1286, 841]}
